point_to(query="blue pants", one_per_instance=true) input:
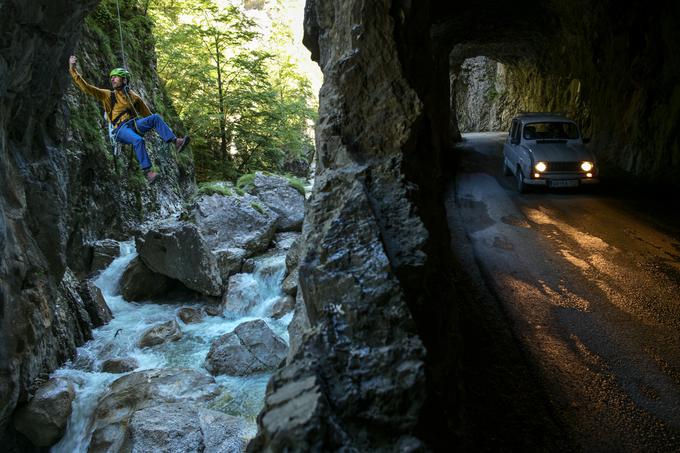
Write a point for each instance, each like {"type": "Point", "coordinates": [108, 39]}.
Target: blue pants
{"type": "Point", "coordinates": [127, 134]}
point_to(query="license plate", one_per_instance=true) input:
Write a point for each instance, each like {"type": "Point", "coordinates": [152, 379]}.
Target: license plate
{"type": "Point", "coordinates": [564, 183]}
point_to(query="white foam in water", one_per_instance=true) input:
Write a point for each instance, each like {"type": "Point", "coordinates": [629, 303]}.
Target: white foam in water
{"type": "Point", "coordinates": [119, 339]}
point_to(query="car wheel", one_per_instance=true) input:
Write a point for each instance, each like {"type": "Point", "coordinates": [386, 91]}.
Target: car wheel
{"type": "Point", "coordinates": [506, 169]}
{"type": "Point", "coordinates": [521, 187]}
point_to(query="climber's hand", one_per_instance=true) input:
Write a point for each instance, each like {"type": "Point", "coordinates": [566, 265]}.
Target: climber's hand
{"type": "Point", "coordinates": [72, 61]}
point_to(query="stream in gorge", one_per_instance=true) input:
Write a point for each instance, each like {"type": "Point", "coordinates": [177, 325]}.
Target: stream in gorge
{"type": "Point", "coordinates": [241, 396]}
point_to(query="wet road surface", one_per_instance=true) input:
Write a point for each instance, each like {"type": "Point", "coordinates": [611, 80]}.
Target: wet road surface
{"type": "Point", "coordinates": [590, 283]}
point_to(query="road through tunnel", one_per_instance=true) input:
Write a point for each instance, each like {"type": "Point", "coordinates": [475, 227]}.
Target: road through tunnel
{"type": "Point", "coordinates": [398, 338]}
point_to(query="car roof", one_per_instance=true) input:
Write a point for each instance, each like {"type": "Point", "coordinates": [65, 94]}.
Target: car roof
{"type": "Point", "coordinates": [526, 117]}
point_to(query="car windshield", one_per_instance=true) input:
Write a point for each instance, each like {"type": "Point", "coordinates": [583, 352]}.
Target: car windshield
{"type": "Point", "coordinates": [552, 130]}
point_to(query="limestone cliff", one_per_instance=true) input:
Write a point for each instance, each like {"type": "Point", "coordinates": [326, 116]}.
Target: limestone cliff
{"type": "Point", "coordinates": [375, 271]}
{"type": "Point", "coordinates": [61, 187]}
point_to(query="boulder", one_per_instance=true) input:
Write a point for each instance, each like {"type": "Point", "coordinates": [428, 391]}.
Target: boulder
{"type": "Point", "coordinates": [95, 304]}
{"type": "Point", "coordinates": [241, 296]}
{"type": "Point", "coordinates": [251, 348]}
{"type": "Point", "coordinates": [177, 250]}
{"type": "Point", "coordinates": [213, 310]}
{"type": "Point", "coordinates": [282, 306]}
{"type": "Point", "coordinates": [182, 427]}
{"type": "Point", "coordinates": [119, 365]}
{"type": "Point", "coordinates": [140, 390]}
{"type": "Point", "coordinates": [43, 419]}
{"type": "Point", "coordinates": [286, 240]}
{"type": "Point", "coordinates": [160, 333]}
{"type": "Point", "coordinates": [141, 283]}
{"type": "Point", "coordinates": [234, 227]}
{"type": "Point", "coordinates": [281, 197]}
{"type": "Point", "coordinates": [103, 254]}
{"type": "Point", "coordinates": [290, 283]}
{"type": "Point", "coordinates": [190, 315]}
{"type": "Point", "coordinates": [230, 260]}
{"type": "Point", "coordinates": [293, 256]}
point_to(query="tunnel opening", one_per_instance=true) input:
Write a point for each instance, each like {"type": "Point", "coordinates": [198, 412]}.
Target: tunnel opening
{"type": "Point", "coordinates": [479, 95]}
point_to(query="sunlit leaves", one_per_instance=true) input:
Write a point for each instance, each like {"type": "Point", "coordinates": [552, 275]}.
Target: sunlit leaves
{"type": "Point", "coordinates": [243, 100]}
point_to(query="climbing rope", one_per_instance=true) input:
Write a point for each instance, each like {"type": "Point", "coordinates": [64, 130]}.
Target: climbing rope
{"type": "Point", "coordinates": [122, 51]}
{"type": "Point", "coordinates": [120, 30]}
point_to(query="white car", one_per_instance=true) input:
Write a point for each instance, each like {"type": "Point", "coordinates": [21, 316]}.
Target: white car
{"type": "Point", "coordinates": [544, 149]}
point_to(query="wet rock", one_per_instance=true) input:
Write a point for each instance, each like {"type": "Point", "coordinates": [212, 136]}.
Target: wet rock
{"type": "Point", "coordinates": [282, 307]}
{"type": "Point", "coordinates": [293, 255]}
{"type": "Point", "coordinates": [242, 295]}
{"type": "Point", "coordinates": [103, 254]}
{"type": "Point", "coordinates": [251, 348]}
{"type": "Point", "coordinates": [281, 197]}
{"type": "Point", "coordinates": [234, 227]}
{"type": "Point", "coordinates": [76, 305]}
{"type": "Point", "coordinates": [177, 250]}
{"type": "Point", "coordinates": [230, 260]}
{"type": "Point", "coordinates": [160, 333]}
{"type": "Point", "coordinates": [248, 266]}
{"type": "Point", "coordinates": [298, 326]}
{"type": "Point", "coordinates": [213, 310]}
{"type": "Point", "coordinates": [138, 282]}
{"type": "Point", "coordinates": [181, 427]}
{"type": "Point", "coordinates": [285, 241]}
{"type": "Point", "coordinates": [119, 365]}
{"type": "Point", "coordinates": [290, 283]}
{"type": "Point", "coordinates": [190, 315]}
{"type": "Point", "coordinates": [141, 390]}
{"type": "Point", "coordinates": [95, 304]}
{"type": "Point", "coordinates": [43, 420]}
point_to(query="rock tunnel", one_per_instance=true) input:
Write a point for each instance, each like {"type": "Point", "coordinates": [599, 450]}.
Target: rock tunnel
{"type": "Point", "coordinates": [389, 363]}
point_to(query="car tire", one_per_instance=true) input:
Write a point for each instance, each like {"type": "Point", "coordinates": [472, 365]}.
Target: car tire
{"type": "Point", "coordinates": [506, 169]}
{"type": "Point", "coordinates": [521, 186]}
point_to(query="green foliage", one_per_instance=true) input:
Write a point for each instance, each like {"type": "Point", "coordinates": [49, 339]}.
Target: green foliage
{"type": "Point", "coordinates": [211, 188]}
{"type": "Point", "coordinates": [246, 182]}
{"type": "Point", "coordinates": [296, 184]}
{"type": "Point", "coordinates": [245, 104]}
{"type": "Point", "coordinates": [257, 206]}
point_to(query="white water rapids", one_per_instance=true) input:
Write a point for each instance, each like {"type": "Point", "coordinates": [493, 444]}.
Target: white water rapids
{"type": "Point", "coordinates": [241, 396]}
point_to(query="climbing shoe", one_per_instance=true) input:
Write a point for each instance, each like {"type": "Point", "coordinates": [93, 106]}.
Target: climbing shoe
{"type": "Point", "coordinates": [151, 176]}
{"type": "Point", "coordinates": [181, 143]}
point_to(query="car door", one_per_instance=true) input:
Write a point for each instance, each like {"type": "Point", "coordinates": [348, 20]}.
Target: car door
{"type": "Point", "coordinates": [510, 146]}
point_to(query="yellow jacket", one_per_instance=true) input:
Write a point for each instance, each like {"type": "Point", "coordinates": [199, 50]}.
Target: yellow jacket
{"type": "Point", "coordinates": [125, 106]}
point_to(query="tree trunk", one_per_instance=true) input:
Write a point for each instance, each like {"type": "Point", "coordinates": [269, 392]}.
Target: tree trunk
{"type": "Point", "coordinates": [224, 155]}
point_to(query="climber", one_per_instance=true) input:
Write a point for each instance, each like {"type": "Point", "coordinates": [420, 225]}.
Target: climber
{"type": "Point", "coordinates": [129, 115]}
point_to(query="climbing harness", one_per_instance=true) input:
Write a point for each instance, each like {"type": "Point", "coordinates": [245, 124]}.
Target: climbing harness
{"type": "Point", "coordinates": [114, 122]}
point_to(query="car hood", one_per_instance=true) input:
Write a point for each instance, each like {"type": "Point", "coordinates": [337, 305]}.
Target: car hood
{"type": "Point", "coordinates": [560, 152]}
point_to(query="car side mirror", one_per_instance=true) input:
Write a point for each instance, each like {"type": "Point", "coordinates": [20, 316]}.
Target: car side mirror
{"type": "Point", "coordinates": [586, 140]}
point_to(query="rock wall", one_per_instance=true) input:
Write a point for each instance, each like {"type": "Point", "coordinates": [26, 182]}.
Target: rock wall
{"type": "Point", "coordinates": [376, 371]}
{"type": "Point", "coordinates": [60, 188]}
{"type": "Point", "coordinates": [479, 95]}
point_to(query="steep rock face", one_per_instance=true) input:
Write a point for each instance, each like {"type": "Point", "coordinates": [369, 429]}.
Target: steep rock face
{"type": "Point", "coordinates": [359, 379]}
{"type": "Point", "coordinates": [60, 187]}
{"type": "Point", "coordinates": [479, 96]}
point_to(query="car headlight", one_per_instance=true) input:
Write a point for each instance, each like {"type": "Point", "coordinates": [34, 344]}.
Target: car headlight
{"type": "Point", "coordinates": [541, 167]}
{"type": "Point", "coordinates": [586, 166]}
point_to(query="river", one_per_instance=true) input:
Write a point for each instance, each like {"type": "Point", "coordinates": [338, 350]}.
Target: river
{"type": "Point", "coordinates": [244, 395]}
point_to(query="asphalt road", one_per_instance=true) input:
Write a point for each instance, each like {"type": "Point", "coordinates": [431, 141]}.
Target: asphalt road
{"type": "Point", "coordinates": [590, 284]}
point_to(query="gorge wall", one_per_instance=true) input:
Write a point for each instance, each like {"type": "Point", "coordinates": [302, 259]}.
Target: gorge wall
{"type": "Point", "coordinates": [61, 188]}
